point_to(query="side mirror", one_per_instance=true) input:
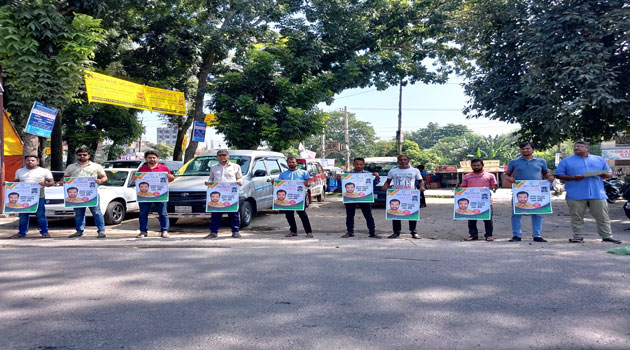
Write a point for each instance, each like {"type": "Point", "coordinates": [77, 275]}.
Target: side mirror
{"type": "Point", "coordinates": [260, 173]}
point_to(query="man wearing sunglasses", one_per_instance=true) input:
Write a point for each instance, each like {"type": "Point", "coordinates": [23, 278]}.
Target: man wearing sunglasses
{"type": "Point", "coordinates": [86, 168]}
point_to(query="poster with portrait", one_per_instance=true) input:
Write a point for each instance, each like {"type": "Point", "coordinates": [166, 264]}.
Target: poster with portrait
{"type": "Point", "coordinates": [288, 195]}
{"type": "Point", "coordinates": [472, 203]}
{"type": "Point", "coordinates": [152, 187]}
{"type": "Point", "coordinates": [357, 187]}
{"type": "Point", "coordinates": [21, 197]}
{"type": "Point", "coordinates": [222, 197]}
{"type": "Point", "coordinates": [402, 205]}
{"type": "Point", "coordinates": [80, 192]}
{"type": "Point", "coordinates": [531, 197]}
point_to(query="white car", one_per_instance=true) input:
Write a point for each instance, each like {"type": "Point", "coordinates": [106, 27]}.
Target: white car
{"type": "Point", "coordinates": [117, 197]}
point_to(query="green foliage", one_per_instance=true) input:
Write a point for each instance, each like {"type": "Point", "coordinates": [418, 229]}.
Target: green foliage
{"type": "Point", "coordinates": [165, 151]}
{"type": "Point", "coordinates": [417, 156]}
{"type": "Point", "coordinates": [362, 136]}
{"type": "Point", "coordinates": [561, 69]}
{"type": "Point", "coordinates": [428, 136]}
{"type": "Point", "coordinates": [261, 98]}
{"type": "Point", "coordinates": [43, 54]}
{"type": "Point", "coordinates": [453, 149]}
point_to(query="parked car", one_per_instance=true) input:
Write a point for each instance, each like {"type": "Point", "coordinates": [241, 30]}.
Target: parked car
{"type": "Point", "coordinates": [319, 185]}
{"type": "Point", "coordinates": [173, 165]}
{"type": "Point", "coordinates": [381, 165]}
{"type": "Point", "coordinates": [117, 197]}
{"type": "Point", "coordinates": [187, 193]}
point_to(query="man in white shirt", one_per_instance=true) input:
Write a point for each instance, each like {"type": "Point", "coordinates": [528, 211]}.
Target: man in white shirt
{"type": "Point", "coordinates": [225, 171]}
{"type": "Point", "coordinates": [403, 177]}
{"type": "Point", "coordinates": [32, 172]}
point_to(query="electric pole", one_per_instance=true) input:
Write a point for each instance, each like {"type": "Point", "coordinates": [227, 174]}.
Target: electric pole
{"type": "Point", "coordinates": [399, 136]}
{"type": "Point", "coordinates": [323, 145]}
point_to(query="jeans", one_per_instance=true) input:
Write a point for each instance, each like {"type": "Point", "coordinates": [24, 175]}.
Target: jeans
{"type": "Point", "coordinates": [303, 216]}
{"type": "Point", "coordinates": [397, 225]}
{"type": "Point", "coordinates": [99, 220]}
{"type": "Point", "coordinates": [537, 222]}
{"type": "Point", "coordinates": [145, 209]}
{"type": "Point", "coordinates": [215, 221]}
{"type": "Point", "coordinates": [41, 220]}
{"type": "Point", "coordinates": [366, 209]}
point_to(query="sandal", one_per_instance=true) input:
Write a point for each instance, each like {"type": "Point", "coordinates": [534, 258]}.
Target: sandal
{"type": "Point", "coordinates": [16, 236]}
{"type": "Point", "coordinates": [489, 239]}
{"type": "Point", "coordinates": [309, 235]}
{"type": "Point", "coordinates": [471, 238]}
{"type": "Point", "coordinates": [291, 234]}
{"type": "Point", "coordinates": [45, 235]}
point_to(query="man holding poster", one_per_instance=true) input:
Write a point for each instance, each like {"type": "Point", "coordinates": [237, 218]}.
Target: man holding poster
{"type": "Point", "coordinates": [296, 174]}
{"type": "Point", "coordinates": [224, 171]}
{"type": "Point", "coordinates": [152, 165]}
{"type": "Point", "coordinates": [527, 167]}
{"type": "Point", "coordinates": [32, 172]}
{"type": "Point", "coordinates": [477, 179]}
{"type": "Point", "coordinates": [85, 168]}
{"type": "Point", "coordinates": [352, 198]}
{"type": "Point", "coordinates": [403, 177]}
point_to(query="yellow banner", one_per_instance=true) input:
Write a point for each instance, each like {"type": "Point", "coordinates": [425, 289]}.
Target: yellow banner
{"type": "Point", "coordinates": [102, 88]}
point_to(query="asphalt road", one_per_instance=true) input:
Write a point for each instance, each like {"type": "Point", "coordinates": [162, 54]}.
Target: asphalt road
{"type": "Point", "coordinates": [337, 293]}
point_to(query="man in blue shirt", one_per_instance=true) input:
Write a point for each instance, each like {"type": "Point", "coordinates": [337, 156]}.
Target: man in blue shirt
{"type": "Point", "coordinates": [527, 167]}
{"type": "Point", "coordinates": [296, 174]}
{"type": "Point", "coordinates": [583, 174]}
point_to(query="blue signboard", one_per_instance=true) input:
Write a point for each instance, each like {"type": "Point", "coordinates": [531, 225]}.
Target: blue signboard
{"type": "Point", "coordinates": [199, 132]}
{"type": "Point", "coordinates": [41, 120]}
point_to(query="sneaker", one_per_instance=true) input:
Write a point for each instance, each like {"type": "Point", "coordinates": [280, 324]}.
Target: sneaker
{"type": "Point", "coordinates": [211, 235]}
{"type": "Point", "coordinates": [76, 235]}
{"type": "Point", "coordinates": [375, 235]}
{"type": "Point", "coordinates": [101, 235]}
{"type": "Point", "coordinates": [415, 235]}
{"type": "Point", "coordinates": [515, 239]}
{"type": "Point", "coordinates": [611, 240]}
{"type": "Point", "coordinates": [539, 239]}
{"type": "Point", "coordinates": [576, 240]}
{"type": "Point", "coordinates": [164, 234]}
{"type": "Point", "coordinates": [236, 235]}
{"type": "Point", "coordinates": [394, 235]}
{"type": "Point", "coordinates": [347, 235]}
{"type": "Point", "coordinates": [142, 235]}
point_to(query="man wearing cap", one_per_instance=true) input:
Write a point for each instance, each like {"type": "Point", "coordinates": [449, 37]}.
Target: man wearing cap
{"type": "Point", "coordinates": [225, 171]}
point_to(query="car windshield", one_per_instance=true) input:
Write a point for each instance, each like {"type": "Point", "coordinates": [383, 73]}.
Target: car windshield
{"type": "Point", "coordinates": [381, 168]}
{"type": "Point", "coordinates": [200, 166]}
{"type": "Point", "coordinates": [115, 178]}
{"type": "Point", "coordinates": [122, 164]}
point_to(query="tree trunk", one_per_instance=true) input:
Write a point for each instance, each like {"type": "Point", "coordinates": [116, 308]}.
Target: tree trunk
{"type": "Point", "coordinates": [56, 146]}
{"type": "Point", "coordinates": [41, 152]}
{"type": "Point", "coordinates": [31, 143]}
{"type": "Point", "coordinates": [199, 97]}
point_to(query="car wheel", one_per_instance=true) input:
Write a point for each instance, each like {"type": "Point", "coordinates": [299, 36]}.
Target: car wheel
{"type": "Point", "coordinates": [308, 200]}
{"type": "Point", "coordinates": [322, 196]}
{"type": "Point", "coordinates": [172, 221]}
{"type": "Point", "coordinates": [246, 212]}
{"type": "Point", "coordinates": [115, 213]}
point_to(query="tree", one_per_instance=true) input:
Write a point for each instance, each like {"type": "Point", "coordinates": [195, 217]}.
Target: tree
{"type": "Point", "coordinates": [417, 156]}
{"type": "Point", "coordinates": [561, 69]}
{"type": "Point", "coordinates": [362, 136]}
{"type": "Point", "coordinates": [165, 151]}
{"type": "Point", "coordinates": [43, 54]}
{"type": "Point", "coordinates": [428, 136]}
{"type": "Point", "coordinates": [453, 149]}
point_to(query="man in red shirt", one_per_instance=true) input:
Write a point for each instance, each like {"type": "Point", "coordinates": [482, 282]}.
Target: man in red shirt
{"type": "Point", "coordinates": [479, 178]}
{"type": "Point", "coordinates": [152, 165]}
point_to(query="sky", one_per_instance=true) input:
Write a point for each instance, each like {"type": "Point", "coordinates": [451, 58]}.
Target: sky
{"type": "Point", "coordinates": [422, 104]}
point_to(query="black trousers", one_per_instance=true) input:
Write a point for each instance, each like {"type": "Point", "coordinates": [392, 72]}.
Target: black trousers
{"type": "Point", "coordinates": [397, 225]}
{"type": "Point", "coordinates": [303, 216]}
{"type": "Point", "coordinates": [366, 209]}
{"type": "Point", "coordinates": [472, 226]}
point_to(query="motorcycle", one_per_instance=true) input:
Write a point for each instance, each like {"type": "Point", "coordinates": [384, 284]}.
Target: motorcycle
{"type": "Point", "coordinates": [625, 193]}
{"type": "Point", "coordinates": [613, 189]}
{"type": "Point", "coordinates": [557, 187]}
